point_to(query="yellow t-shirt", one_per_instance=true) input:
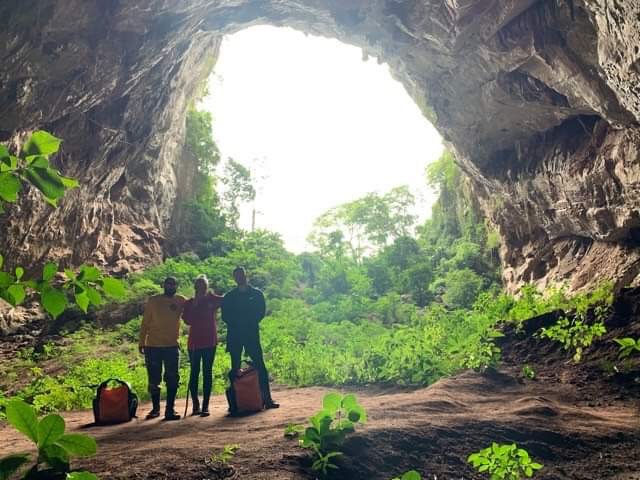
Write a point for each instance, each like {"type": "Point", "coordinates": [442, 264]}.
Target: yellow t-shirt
{"type": "Point", "coordinates": [161, 322]}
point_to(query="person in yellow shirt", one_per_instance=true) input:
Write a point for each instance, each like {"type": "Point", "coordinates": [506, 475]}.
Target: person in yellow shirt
{"type": "Point", "coordinates": [159, 343]}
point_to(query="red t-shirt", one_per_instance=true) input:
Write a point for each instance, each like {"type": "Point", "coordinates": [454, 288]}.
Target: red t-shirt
{"type": "Point", "coordinates": [201, 318]}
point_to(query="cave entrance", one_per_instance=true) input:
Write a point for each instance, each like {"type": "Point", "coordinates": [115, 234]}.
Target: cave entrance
{"type": "Point", "coordinates": [318, 123]}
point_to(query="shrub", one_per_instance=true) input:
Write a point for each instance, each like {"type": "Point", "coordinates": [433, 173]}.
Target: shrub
{"type": "Point", "coordinates": [504, 462]}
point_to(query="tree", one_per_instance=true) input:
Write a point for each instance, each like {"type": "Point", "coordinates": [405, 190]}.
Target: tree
{"type": "Point", "coordinates": [239, 189]}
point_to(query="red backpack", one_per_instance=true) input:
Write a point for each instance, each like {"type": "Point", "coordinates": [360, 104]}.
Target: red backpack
{"type": "Point", "coordinates": [244, 395]}
{"type": "Point", "coordinates": [114, 404]}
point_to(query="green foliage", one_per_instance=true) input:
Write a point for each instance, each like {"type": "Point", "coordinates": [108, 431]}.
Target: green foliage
{"type": "Point", "coordinates": [329, 427]}
{"type": "Point", "coordinates": [293, 430]}
{"type": "Point", "coordinates": [504, 462]}
{"type": "Point", "coordinates": [483, 354]}
{"type": "Point", "coordinates": [574, 335]}
{"type": "Point", "coordinates": [410, 475]}
{"type": "Point", "coordinates": [55, 448]}
{"type": "Point", "coordinates": [238, 189]}
{"type": "Point", "coordinates": [227, 453]}
{"type": "Point", "coordinates": [528, 372]}
{"type": "Point", "coordinates": [627, 346]}
{"type": "Point", "coordinates": [32, 165]}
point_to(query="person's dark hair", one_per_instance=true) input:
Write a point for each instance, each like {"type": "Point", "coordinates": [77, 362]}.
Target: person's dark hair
{"type": "Point", "coordinates": [170, 279]}
{"type": "Point", "coordinates": [239, 269]}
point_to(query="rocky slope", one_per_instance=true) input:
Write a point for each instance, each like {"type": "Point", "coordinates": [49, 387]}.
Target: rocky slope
{"type": "Point", "coordinates": [538, 98]}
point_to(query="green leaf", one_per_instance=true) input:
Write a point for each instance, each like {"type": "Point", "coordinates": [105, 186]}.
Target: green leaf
{"type": "Point", "coordinates": [94, 296]}
{"type": "Point", "coordinates": [50, 428]}
{"type": "Point", "coordinates": [1, 260]}
{"type": "Point", "coordinates": [11, 464]}
{"type": "Point", "coordinates": [113, 287]}
{"type": "Point", "coordinates": [349, 401]}
{"type": "Point", "coordinates": [358, 409]}
{"type": "Point", "coordinates": [77, 444]}
{"type": "Point", "coordinates": [22, 417]}
{"type": "Point", "coordinates": [9, 187]}
{"type": "Point", "coordinates": [81, 476]}
{"type": "Point", "coordinates": [17, 294]}
{"type": "Point", "coordinates": [411, 475]}
{"type": "Point", "coordinates": [82, 300]}
{"type": "Point", "coordinates": [53, 301]}
{"type": "Point", "coordinates": [69, 182]}
{"type": "Point", "coordinates": [48, 181]}
{"type": "Point", "coordinates": [41, 143]}
{"type": "Point", "coordinates": [37, 161]}
{"type": "Point", "coordinates": [50, 270]}
{"type": "Point", "coordinates": [56, 456]}
{"type": "Point", "coordinates": [5, 280]}
{"type": "Point", "coordinates": [89, 273]}
{"type": "Point", "coordinates": [19, 273]}
{"type": "Point", "coordinates": [332, 402]}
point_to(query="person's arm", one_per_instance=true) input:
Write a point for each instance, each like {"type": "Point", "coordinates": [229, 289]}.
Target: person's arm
{"type": "Point", "coordinates": [144, 326]}
{"type": "Point", "coordinates": [186, 312]}
{"type": "Point", "coordinates": [225, 309]}
{"type": "Point", "coordinates": [261, 306]}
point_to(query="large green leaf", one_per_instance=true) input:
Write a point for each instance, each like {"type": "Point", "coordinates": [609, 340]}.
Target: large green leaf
{"type": "Point", "coordinates": [94, 296]}
{"type": "Point", "coordinates": [9, 187]}
{"type": "Point", "coordinates": [56, 456]}
{"type": "Point", "coordinates": [16, 294]}
{"type": "Point", "coordinates": [82, 300]}
{"type": "Point", "coordinates": [332, 402]}
{"type": "Point", "coordinates": [1, 260]}
{"type": "Point", "coordinates": [349, 401]}
{"type": "Point", "coordinates": [81, 476]}
{"type": "Point", "coordinates": [22, 417]}
{"type": "Point", "coordinates": [77, 444]}
{"type": "Point", "coordinates": [53, 301]}
{"type": "Point", "coordinates": [41, 143]}
{"type": "Point", "coordinates": [89, 273]}
{"type": "Point", "coordinates": [5, 280]}
{"type": "Point", "coordinates": [50, 428]}
{"type": "Point", "coordinates": [11, 464]}
{"type": "Point", "coordinates": [113, 287]}
{"type": "Point", "coordinates": [48, 181]}
{"type": "Point", "coordinates": [50, 270]}
{"type": "Point", "coordinates": [411, 475]}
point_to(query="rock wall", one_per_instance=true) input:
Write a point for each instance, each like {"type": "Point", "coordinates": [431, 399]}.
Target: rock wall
{"type": "Point", "coordinates": [538, 99]}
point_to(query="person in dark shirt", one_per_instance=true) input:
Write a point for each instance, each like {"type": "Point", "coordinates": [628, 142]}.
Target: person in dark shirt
{"type": "Point", "coordinates": [200, 314]}
{"type": "Point", "coordinates": [242, 310]}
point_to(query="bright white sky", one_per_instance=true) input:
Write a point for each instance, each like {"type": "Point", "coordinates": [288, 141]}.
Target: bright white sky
{"type": "Point", "coordinates": [318, 124]}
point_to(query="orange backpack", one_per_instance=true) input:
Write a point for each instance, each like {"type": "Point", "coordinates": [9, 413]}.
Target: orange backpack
{"type": "Point", "coordinates": [244, 395]}
{"type": "Point", "coordinates": [114, 404]}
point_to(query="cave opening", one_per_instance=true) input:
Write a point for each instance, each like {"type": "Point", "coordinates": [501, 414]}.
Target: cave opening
{"type": "Point", "coordinates": [318, 124]}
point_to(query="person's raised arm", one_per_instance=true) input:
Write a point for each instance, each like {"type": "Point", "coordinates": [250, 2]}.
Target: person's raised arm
{"type": "Point", "coordinates": [225, 309]}
{"type": "Point", "coordinates": [186, 312]}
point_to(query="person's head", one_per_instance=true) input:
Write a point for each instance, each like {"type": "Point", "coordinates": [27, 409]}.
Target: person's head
{"type": "Point", "coordinates": [240, 276]}
{"type": "Point", "coordinates": [201, 285]}
{"type": "Point", "coordinates": [170, 286]}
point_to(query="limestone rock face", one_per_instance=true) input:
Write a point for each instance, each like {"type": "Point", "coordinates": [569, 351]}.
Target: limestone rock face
{"type": "Point", "coordinates": [539, 99]}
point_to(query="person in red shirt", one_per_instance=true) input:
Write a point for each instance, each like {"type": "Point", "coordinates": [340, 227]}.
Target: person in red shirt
{"type": "Point", "coordinates": [200, 314]}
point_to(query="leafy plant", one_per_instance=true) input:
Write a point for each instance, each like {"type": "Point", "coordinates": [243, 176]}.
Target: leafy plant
{"type": "Point", "coordinates": [528, 372]}
{"type": "Point", "coordinates": [322, 462]}
{"type": "Point", "coordinates": [228, 452]}
{"type": "Point", "coordinates": [293, 430]}
{"type": "Point", "coordinates": [574, 335]}
{"type": "Point", "coordinates": [32, 165]}
{"type": "Point", "coordinates": [330, 426]}
{"type": "Point", "coordinates": [627, 346]}
{"type": "Point", "coordinates": [55, 448]}
{"type": "Point", "coordinates": [483, 354]}
{"type": "Point", "coordinates": [504, 462]}
{"type": "Point", "coordinates": [410, 475]}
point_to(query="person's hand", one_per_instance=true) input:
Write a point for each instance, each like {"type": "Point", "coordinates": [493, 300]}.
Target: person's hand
{"type": "Point", "coordinates": [141, 349]}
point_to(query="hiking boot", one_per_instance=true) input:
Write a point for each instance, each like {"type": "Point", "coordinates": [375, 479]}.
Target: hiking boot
{"type": "Point", "coordinates": [155, 413]}
{"type": "Point", "coordinates": [196, 411]}
{"type": "Point", "coordinates": [171, 415]}
{"type": "Point", "coordinates": [204, 413]}
{"type": "Point", "coordinates": [271, 404]}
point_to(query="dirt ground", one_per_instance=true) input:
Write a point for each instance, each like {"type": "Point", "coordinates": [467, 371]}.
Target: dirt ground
{"type": "Point", "coordinates": [432, 430]}
{"type": "Point", "coordinates": [581, 421]}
